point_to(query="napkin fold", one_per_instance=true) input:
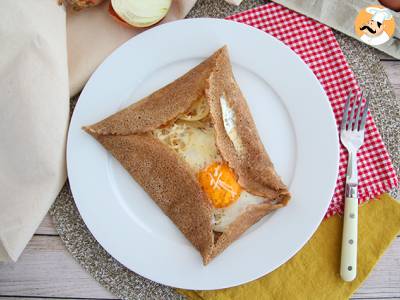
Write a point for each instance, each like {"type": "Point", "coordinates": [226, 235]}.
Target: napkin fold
{"type": "Point", "coordinates": [313, 273]}
{"type": "Point", "coordinates": [340, 15]}
{"type": "Point", "coordinates": [34, 101]}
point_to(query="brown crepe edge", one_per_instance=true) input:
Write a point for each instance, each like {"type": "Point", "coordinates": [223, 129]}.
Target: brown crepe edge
{"type": "Point", "coordinates": [257, 178]}
{"type": "Point", "coordinates": [141, 156]}
{"type": "Point", "coordinates": [244, 221]}
{"type": "Point", "coordinates": [206, 77]}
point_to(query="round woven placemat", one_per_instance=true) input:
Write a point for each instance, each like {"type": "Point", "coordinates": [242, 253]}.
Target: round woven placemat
{"type": "Point", "coordinates": [124, 283]}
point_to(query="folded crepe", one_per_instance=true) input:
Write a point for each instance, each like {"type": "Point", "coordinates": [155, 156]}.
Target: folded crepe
{"type": "Point", "coordinates": [193, 147]}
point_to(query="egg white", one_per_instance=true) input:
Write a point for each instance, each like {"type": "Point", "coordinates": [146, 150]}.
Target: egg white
{"type": "Point", "coordinates": [199, 151]}
{"type": "Point", "coordinates": [229, 118]}
{"type": "Point", "coordinates": [223, 217]}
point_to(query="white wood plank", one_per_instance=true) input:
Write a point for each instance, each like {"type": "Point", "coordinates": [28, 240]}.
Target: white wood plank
{"type": "Point", "coordinates": [392, 69]}
{"type": "Point", "coordinates": [47, 269]}
{"type": "Point", "coordinates": [45, 298]}
{"type": "Point", "coordinates": [379, 298]}
{"type": "Point", "coordinates": [40, 298]}
{"type": "Point", "coordinates": [384, 280]}
{"type": "Point", "coordinates": [24, 298]}
{"type": "Point", "coordinates": [47, 226]}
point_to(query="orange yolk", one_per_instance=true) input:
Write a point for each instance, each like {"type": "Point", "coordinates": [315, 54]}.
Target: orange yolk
{"type": "Point", "coordinates": [219, 183]}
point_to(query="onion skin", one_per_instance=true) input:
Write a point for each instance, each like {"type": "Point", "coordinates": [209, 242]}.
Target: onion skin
{"type": "Point", "coordinates": [80, 4]}
{"type": "Point", "coordinates": [116, 17]}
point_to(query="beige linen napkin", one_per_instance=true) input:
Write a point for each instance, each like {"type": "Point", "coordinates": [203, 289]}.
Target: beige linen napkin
{"type": "Point", "coordinates": [340, 15]}
{"type": "Point", "coordinates": [34, 101]}
{"type": "Point", "coordinates": [33, 116]}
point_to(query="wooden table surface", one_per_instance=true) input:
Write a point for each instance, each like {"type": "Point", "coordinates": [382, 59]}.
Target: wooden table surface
{"type": "Point", "coordinates": [47, 270]}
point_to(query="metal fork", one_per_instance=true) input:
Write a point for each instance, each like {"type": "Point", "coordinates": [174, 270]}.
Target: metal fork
{"type": "Point", "coordinates": [352, 137]}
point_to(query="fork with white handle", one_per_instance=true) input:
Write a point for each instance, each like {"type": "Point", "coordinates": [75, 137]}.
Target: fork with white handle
{"type": "Point", "coordinates": [352, 137]}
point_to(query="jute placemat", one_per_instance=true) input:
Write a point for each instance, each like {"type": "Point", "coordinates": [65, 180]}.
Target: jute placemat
{"type": "Point", "coordinates": [126, 284]}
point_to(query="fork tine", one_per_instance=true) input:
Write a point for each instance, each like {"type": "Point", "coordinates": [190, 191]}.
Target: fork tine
{"type": "Point", "coordinates": [358, 113]}
{"type": "Point", "coordinates": [364, 116]}
{"type": "Point", "coordinates": [351, 120]}
{"type": "Point", "coordinates": [345, 112]}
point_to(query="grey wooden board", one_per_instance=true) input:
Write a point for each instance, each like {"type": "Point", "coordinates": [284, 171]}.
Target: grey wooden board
{"type": "Point", "coordinates": [40, 298]}
{"type": "Point", "coordinates": [392, 69]}
{"type": "Point", "coordinates": [46, 269]}
{"type": "Point", "coordinates": [46, 298]}
{"type": "Point", "coordinates": [47, 226]}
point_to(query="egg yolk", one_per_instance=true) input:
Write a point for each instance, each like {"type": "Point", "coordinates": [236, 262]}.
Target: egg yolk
{"type": "Point", "coordinates": [219, 183]}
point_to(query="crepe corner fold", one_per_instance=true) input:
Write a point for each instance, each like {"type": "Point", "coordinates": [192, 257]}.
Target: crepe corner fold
{"type": "Point", "coordinates": [127, 135]}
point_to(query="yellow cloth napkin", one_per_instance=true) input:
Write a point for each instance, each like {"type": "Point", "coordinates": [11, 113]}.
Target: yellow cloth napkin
{"type": "Point", "coordinates": [313, 273]}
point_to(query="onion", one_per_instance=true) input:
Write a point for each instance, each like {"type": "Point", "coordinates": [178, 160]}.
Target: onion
{"type": "Point", "coordinates": [141, 13]}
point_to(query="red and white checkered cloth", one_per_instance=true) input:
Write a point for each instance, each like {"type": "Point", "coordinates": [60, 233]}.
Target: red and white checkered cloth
{"type": "Point", "coordinates": [317, 46]}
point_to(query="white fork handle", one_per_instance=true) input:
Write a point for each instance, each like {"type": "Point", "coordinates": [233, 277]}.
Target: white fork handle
{"type": "Point", "coordinates": [348, 264]}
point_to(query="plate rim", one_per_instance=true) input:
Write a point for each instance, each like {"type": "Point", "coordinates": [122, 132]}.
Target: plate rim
{"type": "Point", "coordinates": [171, 24]}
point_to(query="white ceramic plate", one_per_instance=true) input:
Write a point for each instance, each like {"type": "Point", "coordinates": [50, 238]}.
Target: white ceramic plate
{"type": "Point", "coordinates": [294, 120]}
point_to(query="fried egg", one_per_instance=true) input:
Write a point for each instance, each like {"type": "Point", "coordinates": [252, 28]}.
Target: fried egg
{"type": "Point", "coordinates": [228, 199]}
{"type": "Point", "coordinates": [223, 217]}
{"type": "Point", "coordinates": [193, 137]}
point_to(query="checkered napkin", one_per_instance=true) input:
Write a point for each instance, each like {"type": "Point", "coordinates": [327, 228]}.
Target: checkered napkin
{"type": "Point", "coordinates": [317, 46]}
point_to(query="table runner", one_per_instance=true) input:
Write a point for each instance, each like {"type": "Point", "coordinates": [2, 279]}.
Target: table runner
{"type": "Point", "coordinates": [316, 44]}
{"type": "Point", "coordinates": [341, 14]}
